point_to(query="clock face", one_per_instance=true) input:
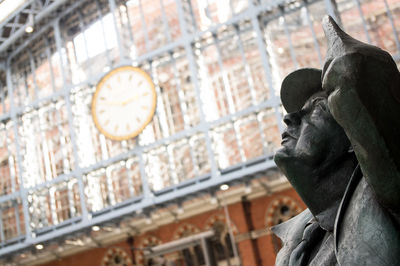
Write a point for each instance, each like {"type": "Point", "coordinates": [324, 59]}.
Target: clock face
{"type": "Point", "coordinates": [124, 102]}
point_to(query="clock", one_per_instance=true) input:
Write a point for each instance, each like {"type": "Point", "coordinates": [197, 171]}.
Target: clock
{"type": "Point", "coordinates": [123, 103]}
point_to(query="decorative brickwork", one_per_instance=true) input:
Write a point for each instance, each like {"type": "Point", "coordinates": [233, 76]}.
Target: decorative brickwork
{"type": "Point", "coordinates": [116, 257]}
{"type": "Point", "coordinates": [219, 218]}
{"type": "Point", "coordinates": [185, 230]}
{"type": "Point", "coordinates": [282, 209]}
{"type": "Point", "coordinates": [149, 241]}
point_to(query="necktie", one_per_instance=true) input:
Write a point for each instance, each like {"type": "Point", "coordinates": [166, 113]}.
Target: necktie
{"type": "Point", "coordinates": [312, 234]}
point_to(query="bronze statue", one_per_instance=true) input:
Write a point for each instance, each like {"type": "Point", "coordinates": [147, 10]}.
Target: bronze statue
{"type": "Point", "coordinates": [341, 152]}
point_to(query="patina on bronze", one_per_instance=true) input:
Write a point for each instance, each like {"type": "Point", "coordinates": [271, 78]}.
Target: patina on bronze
{"type": "Point", "coordinates": [341, 152]}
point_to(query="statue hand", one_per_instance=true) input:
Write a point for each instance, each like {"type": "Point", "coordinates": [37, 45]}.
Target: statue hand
{"type": "Point", "coordinates": [342, 72]}
{"type": "Point", "coordinates": [341, 80]}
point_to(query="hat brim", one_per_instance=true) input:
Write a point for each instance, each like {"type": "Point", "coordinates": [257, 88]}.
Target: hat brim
{"type": "Point", "coordinates": [298, 86]}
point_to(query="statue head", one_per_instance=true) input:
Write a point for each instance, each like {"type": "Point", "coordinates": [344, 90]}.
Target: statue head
{"type": "Point", "coordinates": [313, 141]}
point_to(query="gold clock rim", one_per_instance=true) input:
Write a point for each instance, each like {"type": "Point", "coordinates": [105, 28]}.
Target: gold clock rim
{"type": "Point", "coordinates": [100, 85]}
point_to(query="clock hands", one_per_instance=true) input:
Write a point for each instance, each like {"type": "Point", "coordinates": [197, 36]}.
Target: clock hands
{"type": "Point", "coordinates": [123, 103]}
{"type": "Point", "coordinates": [134, 98]}
{"type": "Point", "coordinates": [113, 103]}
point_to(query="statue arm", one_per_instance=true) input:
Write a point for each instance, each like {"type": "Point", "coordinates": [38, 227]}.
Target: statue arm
{"type": "Point", "coordinates": [361, 100]}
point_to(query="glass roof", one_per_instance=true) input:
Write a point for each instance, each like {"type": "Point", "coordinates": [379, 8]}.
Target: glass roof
{"type": "Point", "coordinates": [8, 7]}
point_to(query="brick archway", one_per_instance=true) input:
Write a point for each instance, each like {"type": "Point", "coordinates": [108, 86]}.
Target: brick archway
{"type": "Point", "coordinates": [281, 209]}
{"type": "Point", "coordinates": [185, 229]}
{"type": "Point", "coordinates": [215, 218]}
{"type": "Point", "coordinates": [148, 241]}
{"type": "Point", "coordinates": [115, 257]}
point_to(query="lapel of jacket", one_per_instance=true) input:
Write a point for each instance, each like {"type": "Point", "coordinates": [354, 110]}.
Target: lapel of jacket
{"type": "Point", "coordinates": [351, 186]}
{"type": "Point", "coordinates": [290, 232]}
{"type": "Point", "coordinates": [285, 230]}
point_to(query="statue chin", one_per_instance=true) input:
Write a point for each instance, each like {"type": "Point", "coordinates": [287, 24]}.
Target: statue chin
{"type": "Point", "coordinates": [283, 156]}
{"type": "Point", "coordinates": [280, 156]}
{"type": "Point", "coordinates": [283, 159]}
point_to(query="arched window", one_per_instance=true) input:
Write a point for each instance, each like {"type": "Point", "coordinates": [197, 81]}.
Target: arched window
{"type": "Point", "coordinates": [147, 242]}
{"type": "Point", "coordinates": [220, 245]}
{"type": "Point", "coordinates": [116, 257]}
{"type": "Point", "coordinates": [191, 255]}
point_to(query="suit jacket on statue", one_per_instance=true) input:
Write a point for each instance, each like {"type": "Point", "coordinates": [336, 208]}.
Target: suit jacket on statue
{"type": "Point", "coordinates": [371, 227]}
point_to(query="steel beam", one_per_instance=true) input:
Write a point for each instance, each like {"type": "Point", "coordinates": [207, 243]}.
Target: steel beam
{"type": "Point", "coordinates": [21, 31]}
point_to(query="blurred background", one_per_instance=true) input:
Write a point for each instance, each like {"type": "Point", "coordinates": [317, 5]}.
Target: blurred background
{"type": "Point", "coordinates": [198, 186]}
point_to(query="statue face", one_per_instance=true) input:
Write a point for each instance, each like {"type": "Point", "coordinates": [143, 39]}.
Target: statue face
{"type": "Point", "coordinates": [312, 141]}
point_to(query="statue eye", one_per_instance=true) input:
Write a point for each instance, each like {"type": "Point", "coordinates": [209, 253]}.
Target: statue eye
{"type": "Point", "coordinates": [319, 110]}
{"type": "Point", "coordinates": [320, 103]}
{"type": "Point", "coordinates": [317, 100]}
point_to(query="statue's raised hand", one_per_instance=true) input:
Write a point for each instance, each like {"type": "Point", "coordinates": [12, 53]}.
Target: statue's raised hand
{"type": "Point", "coordinates": [363, 84]}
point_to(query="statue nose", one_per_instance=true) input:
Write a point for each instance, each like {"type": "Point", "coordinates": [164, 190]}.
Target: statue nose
{"type": "Point", "coordinates": [292, 119]}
